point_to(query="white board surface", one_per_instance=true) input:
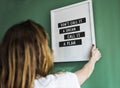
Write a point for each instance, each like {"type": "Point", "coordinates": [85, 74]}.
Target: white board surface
{"type": "Point", "coordinates": [72, 30]}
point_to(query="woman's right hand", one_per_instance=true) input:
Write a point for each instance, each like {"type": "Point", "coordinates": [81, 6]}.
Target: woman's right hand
{"type": "Point", "coordinates": [95, 54]}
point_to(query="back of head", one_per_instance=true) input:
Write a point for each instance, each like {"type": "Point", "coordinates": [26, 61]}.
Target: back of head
{"type": "Point", "coordinates": [24, 54]}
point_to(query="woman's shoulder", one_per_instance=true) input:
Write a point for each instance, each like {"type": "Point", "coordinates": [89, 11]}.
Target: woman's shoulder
{"type": "Point", "coordinates": [60, 80]}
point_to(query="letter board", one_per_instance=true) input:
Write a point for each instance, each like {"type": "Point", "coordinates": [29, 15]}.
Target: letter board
{"type": "Point", "coordinates": [72, 32]}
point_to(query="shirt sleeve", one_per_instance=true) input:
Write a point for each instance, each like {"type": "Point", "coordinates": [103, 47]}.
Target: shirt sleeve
{"type": "Point", "coordinates": [66, 80]}
{"type": "Point", "coordinates": [61, 80]}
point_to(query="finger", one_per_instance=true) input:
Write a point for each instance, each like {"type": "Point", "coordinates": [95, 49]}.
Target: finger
{"type": "Point", "coordinates": [93, 45]}
{"type": "Point", "coordinates": [93, 48]}
{"type": "Point", "coordinates": [96, 50]}
{"type": "Point", "coordinates": [98, 53]}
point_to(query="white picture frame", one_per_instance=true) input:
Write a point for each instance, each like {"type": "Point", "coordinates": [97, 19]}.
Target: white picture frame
{"type": "Point", "coordinates": [72, 32]}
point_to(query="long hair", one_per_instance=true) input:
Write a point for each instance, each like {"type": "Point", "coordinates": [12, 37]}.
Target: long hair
{"type": "Point", "coordinates": [24, 54]}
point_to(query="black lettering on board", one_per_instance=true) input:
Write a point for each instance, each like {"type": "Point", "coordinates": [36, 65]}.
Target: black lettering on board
{"type": "Point", "coordinates": [70, 29]}
{"type": "Point", "coordinates": [74, 35]}
{"type": "Point", "coordinates": [72, 22]}
{"type": "Point", "coordinates": [70, 43]}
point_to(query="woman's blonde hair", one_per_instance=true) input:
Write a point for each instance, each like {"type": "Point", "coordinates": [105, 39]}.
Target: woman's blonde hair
{"type": "Point", "coordinates": [24, 54]}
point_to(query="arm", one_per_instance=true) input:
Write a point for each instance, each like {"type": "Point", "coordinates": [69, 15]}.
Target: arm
{"type": "Point", "coordinates": [88, 68]}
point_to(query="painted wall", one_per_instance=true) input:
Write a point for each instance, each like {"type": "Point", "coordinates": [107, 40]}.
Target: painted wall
{"type": "Point", "coordinates": [107, 27]}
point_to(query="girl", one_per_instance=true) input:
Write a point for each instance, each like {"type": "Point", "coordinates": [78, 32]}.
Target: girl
{"type": "Point", "coordinates": [25, 60]}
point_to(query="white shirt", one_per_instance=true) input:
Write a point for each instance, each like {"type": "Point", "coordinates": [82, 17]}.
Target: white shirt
{"type": "Point", "coordinates": [63, 80]}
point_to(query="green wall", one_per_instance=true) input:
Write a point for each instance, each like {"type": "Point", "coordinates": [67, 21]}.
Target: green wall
{"type": "Point", "coordinates": [107, 27]}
